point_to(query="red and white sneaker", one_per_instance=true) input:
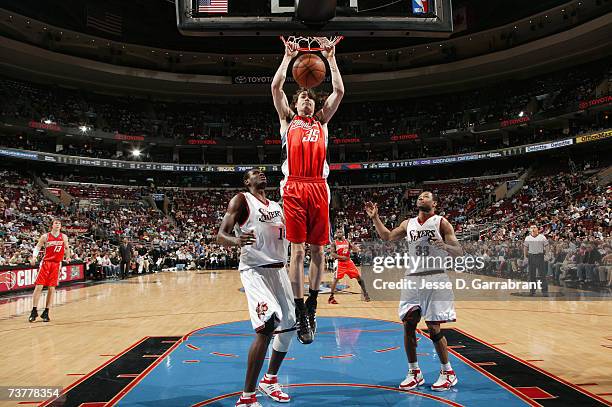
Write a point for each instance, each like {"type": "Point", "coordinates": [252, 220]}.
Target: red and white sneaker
{"type": "Point", "coordinates": [446, 380]}
{"type": "Point", "coordinates": [332, 300]}
{"type": "Point", "coordinates": [414, 379]}
{"type": "Point", "coordinates": [272, 389]}
{"type": "Point", "coordinates": [248, 402]}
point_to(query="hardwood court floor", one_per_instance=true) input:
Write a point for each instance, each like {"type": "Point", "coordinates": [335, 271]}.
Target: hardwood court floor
{"type": "Point", "coordinates": [570, 339]}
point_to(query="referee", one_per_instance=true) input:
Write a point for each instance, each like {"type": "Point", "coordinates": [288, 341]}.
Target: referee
{"type": "Point", "coordinates": [534, 248]}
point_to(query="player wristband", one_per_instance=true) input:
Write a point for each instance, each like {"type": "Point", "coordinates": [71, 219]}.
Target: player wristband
{"type": "Point", "coordinates": [35, 253]}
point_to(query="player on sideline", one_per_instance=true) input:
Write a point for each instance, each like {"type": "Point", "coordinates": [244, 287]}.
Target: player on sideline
{"type": "Point", "coordinates": [341, 250]}
{"type": "Point", "coordinates": [56, 246]}
{"type": "Point", "coordinates": [259, 231]}
{"type": "Point", "coordinates": [432, 238]}
{"type": "Point", "coordinates": [304, 189]}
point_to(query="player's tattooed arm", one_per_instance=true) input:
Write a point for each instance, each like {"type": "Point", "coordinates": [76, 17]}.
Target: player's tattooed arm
{"type": "Point", "coordinates": [278, 95]}
{"type": "Point", "coordinates": [384, 233]}
{"type": "Point", "coordinates": [451, 243]}
{"type": "Point", "coordinates": [237, 213]}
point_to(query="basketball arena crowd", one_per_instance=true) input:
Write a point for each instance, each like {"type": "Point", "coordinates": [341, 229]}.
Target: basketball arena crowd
{"type": "Point", "coordinates": [566, 199]}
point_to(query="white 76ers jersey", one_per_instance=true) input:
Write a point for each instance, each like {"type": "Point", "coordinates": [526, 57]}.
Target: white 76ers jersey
{"type": "Point", "coordinates": [421, 247]}
{"type": "Point", "coordinates": [266, 221]}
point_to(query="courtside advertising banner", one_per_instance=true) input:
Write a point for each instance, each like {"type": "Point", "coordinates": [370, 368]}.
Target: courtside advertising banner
{"type": "Point", "coordinates": [594, 137]}
{"type": "Point", "coordinates": [22, 278]}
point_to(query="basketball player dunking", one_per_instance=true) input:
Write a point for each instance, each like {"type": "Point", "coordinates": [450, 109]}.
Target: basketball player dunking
{"type": "Point", "coordinates": [256, 225]}
{"type": "Point", "coordinates": [56, 246]}
{"type": "Point", "coordinates": [341, 250]}
{"type": "Point", "coordinates": [304, 190]}
{"type": "Point", "coordinates": [429, 237]}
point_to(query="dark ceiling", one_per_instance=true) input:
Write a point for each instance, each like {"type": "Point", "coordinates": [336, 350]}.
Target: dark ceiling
{"type": "Point", "coordinates": [153, 23]}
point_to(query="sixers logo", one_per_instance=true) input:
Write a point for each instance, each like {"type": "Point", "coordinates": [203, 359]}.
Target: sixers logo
{"type": "Point", "coordinates": [261, 310]}
{"type": "Point", "coordinates": [268, 216]}
{"type": "Point", "coordinates": [418, 234]}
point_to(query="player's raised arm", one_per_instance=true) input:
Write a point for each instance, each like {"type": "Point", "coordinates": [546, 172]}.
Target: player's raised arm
{"type": "Point", "coordinates": [278, 95]}
{"type": "Point", "coordinates": [333, 101]}
{"type": "Point", "coordinates": [41, 243]}
{"type": "Point", "coordinates": [236, 214]}
{"type": "Point", "coordinates": [384, 233]}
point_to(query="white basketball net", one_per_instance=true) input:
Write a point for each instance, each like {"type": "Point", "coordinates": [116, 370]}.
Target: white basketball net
{"type": "Point", "coordinates": [312, 43]}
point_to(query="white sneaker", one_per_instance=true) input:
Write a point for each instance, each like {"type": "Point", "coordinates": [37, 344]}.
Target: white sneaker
{"type": "Point", "coordinates": [272, 389]}
{"type": "Point", "coordinates": [248, 402]}
{"type": "Point", "coordinates": [414, 379]}
{"type": "Point", "coordinates": [446, 380]}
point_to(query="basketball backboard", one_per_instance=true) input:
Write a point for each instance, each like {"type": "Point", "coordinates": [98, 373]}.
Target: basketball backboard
{"type": "Point", "coordinates": [418, 18]}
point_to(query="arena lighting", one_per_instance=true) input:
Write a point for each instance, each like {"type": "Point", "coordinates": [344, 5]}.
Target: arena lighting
{"type": "Point", "coordinates": [47, 121]}
{"type": "Point", "coordinates": [521, 114]}
{"type": "Point", "coordinates": [136, 152]}
{"type": "Point", "coordinates": [84, 129]}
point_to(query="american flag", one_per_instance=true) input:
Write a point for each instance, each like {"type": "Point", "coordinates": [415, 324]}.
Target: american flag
{"type": "Point", "coordinates": [212, 6]}
{"type": "Point", "coordinates": [104, 20]}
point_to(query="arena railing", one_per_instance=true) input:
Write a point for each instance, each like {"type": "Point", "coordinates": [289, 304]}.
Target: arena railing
{"type": "Point", "coordinates": [408, 163]}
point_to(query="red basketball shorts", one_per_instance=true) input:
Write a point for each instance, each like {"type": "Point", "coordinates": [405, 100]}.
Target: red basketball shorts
{"type": "Point", "coordinates": [48, 274]}
{"type": "Point", "coordinates": [347, 268]}
{"type": "Point", "coordinates": [306, 207]}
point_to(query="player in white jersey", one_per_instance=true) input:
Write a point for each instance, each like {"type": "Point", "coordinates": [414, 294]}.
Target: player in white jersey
{"type": "Point", "coordinates": [257, 226]}
{"type": "Point", "coordinates": [431, 238]}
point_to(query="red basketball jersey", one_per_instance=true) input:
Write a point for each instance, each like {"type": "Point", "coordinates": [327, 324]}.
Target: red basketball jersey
{"type": "Point", "coordinates": [343, 248]}
{"type": "Point", "coordinates": [305, 148]}
{"type": "Point", "coordinates": [54, 249]}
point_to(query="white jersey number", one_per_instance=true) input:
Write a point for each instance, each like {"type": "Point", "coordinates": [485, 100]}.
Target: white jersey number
{"type": "Point", "coordinates": [312, 136]}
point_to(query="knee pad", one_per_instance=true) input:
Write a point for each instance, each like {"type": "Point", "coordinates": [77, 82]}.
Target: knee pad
{"type": "Point", "coordinates": [435, 338]}
{"type": "Point", "coordinates": [282, 341]}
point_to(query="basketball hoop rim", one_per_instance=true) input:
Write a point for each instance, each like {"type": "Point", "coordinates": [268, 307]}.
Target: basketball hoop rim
{"type": "Point", "coordinates": [310, 39]}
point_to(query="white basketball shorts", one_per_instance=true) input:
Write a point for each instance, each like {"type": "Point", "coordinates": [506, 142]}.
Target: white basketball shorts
{"type": "Point", "coordinates": [269, 295]}
{"type": "Point", "coordinates": [436, 304]}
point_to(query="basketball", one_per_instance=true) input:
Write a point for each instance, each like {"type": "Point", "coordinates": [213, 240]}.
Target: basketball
{"type": "Point", "coordinates": [308, 71]}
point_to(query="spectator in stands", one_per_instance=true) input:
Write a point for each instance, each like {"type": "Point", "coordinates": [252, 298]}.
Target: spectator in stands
{"type": "Point", "coordinates": [590, 261]}
{"type": "Point", "coordinates": [143, 259]}
{"type": "Point", "coordinates": [605, 270]}
{"type": "Point", "coordinates": [17, 259]}
{"type": "Point", "coordinates": [107, 265]}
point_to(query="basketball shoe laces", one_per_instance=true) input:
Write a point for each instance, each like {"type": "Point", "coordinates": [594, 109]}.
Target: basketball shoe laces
{"type": "Point", "coordinates": [275, 389]}
{"type": "Point", "coordinates": [304, 329]}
